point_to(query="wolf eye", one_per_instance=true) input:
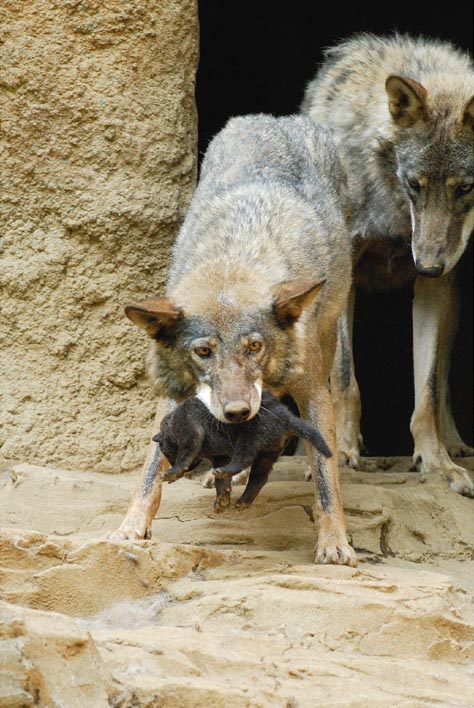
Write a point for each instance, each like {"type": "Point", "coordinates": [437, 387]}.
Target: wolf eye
{"type": "Point", "coordinates": [414, 185]}
{"type": "Point", "coordinates": [255, 346]}
{"type": "Point", "coordinates": [203, 352]}
{"type": "Point", "coordinates": [464, 188]}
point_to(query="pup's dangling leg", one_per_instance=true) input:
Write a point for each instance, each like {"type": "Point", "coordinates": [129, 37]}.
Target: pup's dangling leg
{"type": "Point", "coordinates": [223, 490]}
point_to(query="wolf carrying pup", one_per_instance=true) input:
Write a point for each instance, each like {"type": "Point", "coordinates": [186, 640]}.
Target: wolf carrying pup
{"type": "Point", "coordinates": [190, 433]}
{"type": "Point", "coordinates": [402, 113]}
{"type": "Point", "coordinates": [260, 273]}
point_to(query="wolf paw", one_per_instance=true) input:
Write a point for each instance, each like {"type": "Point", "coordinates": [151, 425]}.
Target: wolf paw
{"type": "Point", "coordinates": [341, 554]}
{"type": "Point", "coordinates": [460, 482]}
{"type": "Point", "coordinates": [349, 458]}
{"type": "Point", "coordinates": [208, 480]}
{"type": "Point", "coordinates": [459, 479]}
{"type": "Point", "coordinates": [127, 532]}
{"type": "Point", "coordinates": [460, 450]}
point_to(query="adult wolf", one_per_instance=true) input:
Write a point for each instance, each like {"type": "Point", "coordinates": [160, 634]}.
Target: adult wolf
{"type": "Point", "coordinates": [402, 113]}
{"type": "Point", "coordinates": [260, 273]}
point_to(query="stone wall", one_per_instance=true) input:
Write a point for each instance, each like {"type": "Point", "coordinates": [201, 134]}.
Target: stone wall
{"type": "Point", "coordinates": [97, 165]}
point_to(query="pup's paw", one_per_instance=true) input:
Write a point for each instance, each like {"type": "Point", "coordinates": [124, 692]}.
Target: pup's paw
{"type": "Point", "coordinates": [242, 504]}
{"type": "Point", "coordinates": [223, 490]}
{"type": "Point", "coordinates": [170, 477]}
{"type": "Point", "coordinates": [241, 478]}
{"type": "Point", "coordinates": [209, 480]}
{"type": "Point", "coordinates": [222, 501]}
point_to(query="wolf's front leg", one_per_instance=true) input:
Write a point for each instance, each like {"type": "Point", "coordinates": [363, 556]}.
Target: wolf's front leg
{"type": "Point", "coordinates": [455, 446]}
{"type": "Point", "coordinates": [345, 390]}
{"type": "Point", "coordinates": [147, 496]}
{"type": "Point", "coordinates": [434, 326]}
{"type": "Point", "coordinates": [332, 546]}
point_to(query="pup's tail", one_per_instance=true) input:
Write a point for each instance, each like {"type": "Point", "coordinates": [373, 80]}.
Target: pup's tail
{"type": "Point", "coordinates": [309, 432]}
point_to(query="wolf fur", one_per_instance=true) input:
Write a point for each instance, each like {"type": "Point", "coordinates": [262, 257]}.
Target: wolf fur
{"type": "Point", "coordinates": [260, 273]}
{"type": "Point", "coordinates": [402, 113]}
{"type": "Point", "coordinates": [191, 433]}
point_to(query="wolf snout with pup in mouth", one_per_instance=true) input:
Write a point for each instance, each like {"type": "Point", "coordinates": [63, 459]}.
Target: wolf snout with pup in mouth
{"type": "Point", "coordinates": [260, 272]}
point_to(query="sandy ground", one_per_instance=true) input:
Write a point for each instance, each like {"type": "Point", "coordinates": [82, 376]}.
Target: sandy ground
{"type": "Point", "coordinates": [230, 611]}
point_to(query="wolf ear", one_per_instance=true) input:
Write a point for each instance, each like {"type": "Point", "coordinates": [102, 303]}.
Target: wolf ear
{"type": "Point", "coordinates": [468, 117]}
{"type": "Point", "coordinates": [157, 317]}
{"type": "Point", "coordinates": [406, 101]}
{"type": "Point", "coordinates": [292, 296]}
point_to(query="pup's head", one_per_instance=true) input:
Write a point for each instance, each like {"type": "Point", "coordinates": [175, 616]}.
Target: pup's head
{"type": "Point", "coordinates": [434, 154]}
{"type": "Point", "coordinates": [224, 351]}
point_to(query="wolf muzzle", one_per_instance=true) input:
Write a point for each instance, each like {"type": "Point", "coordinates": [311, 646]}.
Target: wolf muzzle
{"type": "Point", "coordinates": [236, 411]}
{"type": "Point", "coordinates": [430, 271]}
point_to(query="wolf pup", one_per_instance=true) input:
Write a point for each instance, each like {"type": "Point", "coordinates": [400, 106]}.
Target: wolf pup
{"type": "Point", "coordinates": [260, 272]}
{"type": "Point", "coordinates": [190, 433]}
{"type": "Point", "coordinates": [402, 113]}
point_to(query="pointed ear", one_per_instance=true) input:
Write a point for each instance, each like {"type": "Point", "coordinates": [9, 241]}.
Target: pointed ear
{"type": "Point", "coordinates": [157, 317]}
{"type": "Point", "coordinates": [468, 117]}
{"type": "Point", "coordinates": [406, 101]}
{"type": "Point", "coordinates": [292, 296]}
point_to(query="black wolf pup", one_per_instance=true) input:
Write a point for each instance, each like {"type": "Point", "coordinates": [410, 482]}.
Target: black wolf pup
{"type": "Point", "coordinates": [190, 433]}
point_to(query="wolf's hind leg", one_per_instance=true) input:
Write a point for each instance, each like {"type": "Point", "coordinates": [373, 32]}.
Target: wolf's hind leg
{"type": "Point", "coordinates": [454, 443]}
{"type": "Point", "coordinates": [434, 325]}
{"type": "Point", "coordinates": [345, 390]}
{"type": "Point", "coordinates": [449, 433]}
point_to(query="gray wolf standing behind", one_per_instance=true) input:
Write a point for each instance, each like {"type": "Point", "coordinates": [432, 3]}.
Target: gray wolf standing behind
{"type": "Point", "coordinates": [402, 113]}
{"type": "Point", "coordinates": [260, 273]}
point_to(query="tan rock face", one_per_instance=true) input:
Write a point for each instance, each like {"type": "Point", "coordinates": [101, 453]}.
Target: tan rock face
{"type": "Point", "coordinates": [229, 610]}
{"type": "Point", "coordinates": [97, 164]}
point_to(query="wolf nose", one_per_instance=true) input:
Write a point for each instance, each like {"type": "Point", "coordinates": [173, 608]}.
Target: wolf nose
{"type": "Point", "coordinates": [433, 271]}
{"type": "Point", "coordinates": [236, 411]}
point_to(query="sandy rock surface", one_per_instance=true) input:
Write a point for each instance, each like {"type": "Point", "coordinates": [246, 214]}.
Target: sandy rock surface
{"type": "Point", "coordinates": [97, 165]}
{"type": "Point", "coordinates": [230, 611]}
